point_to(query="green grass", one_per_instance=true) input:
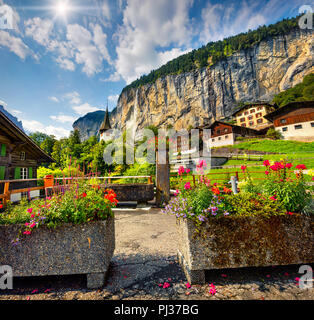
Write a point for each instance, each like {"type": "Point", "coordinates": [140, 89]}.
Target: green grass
{"type": "Point", "coordinates": [280, 146]}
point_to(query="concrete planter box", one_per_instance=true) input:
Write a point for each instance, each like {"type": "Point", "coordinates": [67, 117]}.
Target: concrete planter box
{"type": "Point", "coordinates": [244, 242]}
{"type": "Point", "coordinates": [67, 249]}
{"type": "Point", "coordinates": [133, 192]}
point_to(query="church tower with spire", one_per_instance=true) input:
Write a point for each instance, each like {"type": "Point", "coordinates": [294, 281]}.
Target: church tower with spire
{"type": "Point", "coordinates": [105, 128]}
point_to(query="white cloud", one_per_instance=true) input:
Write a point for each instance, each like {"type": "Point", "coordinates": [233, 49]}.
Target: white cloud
{"type": "Point", "coordinates": [3, 103]}
{"type": "Point", "coordinates": [84, 108]}
{"type": "Point", "coordinates": [82, 46]}
{"type": "Point", "coordinates": [15, 45]}
{"type": "Point", "coordinates": [115, 77]}
{"type": "Point", "coordinates": [148, 25]}
{"type": "Point", "coordinates": [33, 126]}
{"type": "Point", "coordinates": [113, 98]}
{"type": "Point", "coordinates": [73, 97]}
{"type": "Point", "coordinates": [15, 112]}
{"type": "Point", "coordinates": [39, 29]}
{"type": "Point", "coordinates": [54, 99]}
{"type": "Point", "coordinates": [220, 21]}
{"type": "Point", "coordinates": [63, 118]}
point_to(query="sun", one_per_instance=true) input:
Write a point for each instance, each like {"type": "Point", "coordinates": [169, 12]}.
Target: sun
{"type": "Point", "coordinates": [62, 8]}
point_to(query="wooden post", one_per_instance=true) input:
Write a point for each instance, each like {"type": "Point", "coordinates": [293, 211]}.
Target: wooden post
{"type": "Point", "coordinates": [194, 180]}
{"type": "Point", "coordinates": [150, 181]}
{"type": "Point", "coordinates": [237, 175]}
{"type": "Point", "coordinates": [109, 180]}
{"type": "Point", "coordinates": [6, 193]}
{"type": "Point", "coordinates": [162, 178]}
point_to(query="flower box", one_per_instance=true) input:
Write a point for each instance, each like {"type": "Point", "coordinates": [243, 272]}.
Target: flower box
{"type": "Point", "coordinates": [233, 242]}
{"type": "Point", "coordinates": [65, 250]}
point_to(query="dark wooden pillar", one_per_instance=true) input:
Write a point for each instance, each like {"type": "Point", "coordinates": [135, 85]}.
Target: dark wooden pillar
{"type": "Point", "coordinates": [162, 178]}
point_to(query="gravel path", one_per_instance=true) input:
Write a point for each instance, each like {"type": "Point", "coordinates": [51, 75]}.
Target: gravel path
{"type": "Point", "coordinates": [145, 259]}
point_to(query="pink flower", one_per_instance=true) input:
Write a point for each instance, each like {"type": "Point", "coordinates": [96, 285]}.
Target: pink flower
{"type": "Point", "coordinates": [187, 170]}
{"type": "Point", "coordinates": [188, 286]}
{"type": "Point", "coordinates": [313, 178]}
{"type": "Point", "coordinates": [301, 166]}
{"type": "Point", "coordinates": [273, 198]}
{"type": "Point", "coordinates": [166, 285]}
{"type": "Point", "coordinates": [33, 215]}
{"type": "Point", "coordinates": [27, 232]}
{"type": "Point", "coordinates": [181, 170]}
{"type": "Point", "coordinates": [32, 225]}
{"type": "Point", "coordinates": [224, 275]}
{"type": "Point", "coordinates": [212, 290]}
{"type": "Point", "coordinates": [26, 224]}
{"type": "Point", "coordinates": [267, 173]}
{"type": "Point", "coordinates": [176, 193]}
{"type": "Point", "coordinates": [289, 213]}
{"type": "Point", "coordinates": [187, 186]}
{"type": "Point", "coordinates": [30, 210]}
{"type": "Point", "coordinates": [286, 274]}
{"type": "Point", "coordinates": [288, 165]}
{"type": "Point", "coordinates": [266, 163]}
{"type": "Point", "coordinates": [268, 275]}
{"type": "Point", "coordinates": [243, 168]}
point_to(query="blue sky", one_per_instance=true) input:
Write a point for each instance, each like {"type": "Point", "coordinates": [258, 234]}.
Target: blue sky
{"type": "Point", "coordinates": [62, 59]}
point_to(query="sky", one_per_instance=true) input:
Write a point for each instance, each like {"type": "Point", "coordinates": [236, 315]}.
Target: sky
{"type": "Point", "coordinates": [60, 59]}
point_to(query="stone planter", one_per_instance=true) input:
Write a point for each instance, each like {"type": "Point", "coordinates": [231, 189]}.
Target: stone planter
{"type": "Point", "coordinates": [133, 192]}
{"type": "Point", "coordinates": [245, 242]}
{"type": "Point", "coordinates": [68, 249]}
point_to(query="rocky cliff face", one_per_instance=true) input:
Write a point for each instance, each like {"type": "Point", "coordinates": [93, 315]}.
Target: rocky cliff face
{"type": "Point", "coordinates": [213, 93]}
{"type": "Point", "coordinates": [89, 124]}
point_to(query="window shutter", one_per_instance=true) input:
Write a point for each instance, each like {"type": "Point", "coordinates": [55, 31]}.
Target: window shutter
{"type": "Point", "coordinates": [3, 150]}
{"type": "Point", "coordinates": [30, 173]}
{"type": "Point", "coordinates": [17, 173]}
{"type": "Point", "coordinates": [2, 173]}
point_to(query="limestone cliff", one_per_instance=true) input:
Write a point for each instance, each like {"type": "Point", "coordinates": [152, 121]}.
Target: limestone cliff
{"type": "Point", "coordinates": [214, 92]}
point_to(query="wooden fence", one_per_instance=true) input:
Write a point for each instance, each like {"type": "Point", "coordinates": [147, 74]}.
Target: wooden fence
{"type": "Point", "coordinates": [49, 182]}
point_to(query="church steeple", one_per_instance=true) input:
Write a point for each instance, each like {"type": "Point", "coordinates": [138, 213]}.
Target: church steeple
{"type": "Point", "coordinates": [106, 123]}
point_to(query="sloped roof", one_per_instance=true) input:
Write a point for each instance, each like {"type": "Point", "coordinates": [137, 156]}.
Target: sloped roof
{"type": "Point", "coordinates": [258, 103]}
{"type": "Point", "coordinates": [16, 134]}
{"type": "Point", "coordinates": [106, 123]}
{"type": "Point", "coordinates": [289, 107]}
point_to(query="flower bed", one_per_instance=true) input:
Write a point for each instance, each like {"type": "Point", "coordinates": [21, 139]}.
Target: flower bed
{"type": "Point", "coordinates": [265, 224]}
{"type": "Point", "coordinates": [71, 232]}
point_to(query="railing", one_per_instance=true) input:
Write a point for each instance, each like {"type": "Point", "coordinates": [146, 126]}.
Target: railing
{"type": "Point", "coordinates": [49, 183]}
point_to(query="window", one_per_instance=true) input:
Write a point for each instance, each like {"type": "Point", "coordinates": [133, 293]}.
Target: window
{"type": "Point", "coordinates": [259, 121]}
{"type": "Point", "coordinates": [3, 150]}
{"type": "Point", "coordinates": [250, 117]}
{"type": "Point", "coordinates": [285, 129]}
{"type": "Point", "coordinates": [23, 155]}
{"type": "Point", "coordinates": [24, 173]}
{"type": "Point", "coordinates": [298, 126]}
{"type": "Point", "coordinates": [251, 123]}
{"type": "Point", "coordinates": [219, 138]}
{"type": "Point", "coordinates": [226, 137]}
{"type": "Point", "coordinates": [242, 120]}
{"type": "Point", "coordinates": [243, 125]}
{"type": "Point", "coordinates": [246, 113]}
{"type": "Point", "coordinates": [252, 110]}
{"type": "Point", "coordinates": [312, 124]}
{"type": "Point", "coordinates": [258, 115]}
{"type": "Point", "coordinates": [240, 114]}
{"type": "Point", "coordinates": [283, 121]}
{"type": "Point", "coordinates": [218, 131]}
{"type": "Point", "coordinates": [259, 108]}
{"type": "Point", "coordinates": [226, 129]}
{"type": "Point", "coordinates": [213, 140]}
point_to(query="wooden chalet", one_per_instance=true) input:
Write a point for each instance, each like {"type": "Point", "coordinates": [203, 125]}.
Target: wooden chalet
{"type": "Point", "coordinates": [295, 120]}
{"type": "Point", "coordinates": [20, 157]}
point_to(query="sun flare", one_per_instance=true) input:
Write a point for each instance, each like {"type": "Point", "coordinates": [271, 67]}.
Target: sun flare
{"type": "Point", "coordinates": [62, 8]}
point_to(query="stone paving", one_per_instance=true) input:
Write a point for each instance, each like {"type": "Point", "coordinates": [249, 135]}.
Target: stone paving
{"type": "Point", "coordinates": [145, 267]}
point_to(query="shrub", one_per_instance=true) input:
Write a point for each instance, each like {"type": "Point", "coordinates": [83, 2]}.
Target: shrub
{"type": "Point", "coordinates": [249, 204]}
{"type": "Point", "coordinates": [273, 134]}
